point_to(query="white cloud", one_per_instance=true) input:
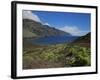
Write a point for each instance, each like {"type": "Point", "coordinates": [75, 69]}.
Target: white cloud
{"type": "Point", "coordinates": [46, 24]}
{"type": "Point", "coordinates": [73, 30]}
{"type": "Point", "coordinates": [30, 15]}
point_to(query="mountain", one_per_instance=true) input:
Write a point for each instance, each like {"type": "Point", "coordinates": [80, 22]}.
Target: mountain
{"type": "Point", "coordinates": [32, 28]}
{"type": "Point", "coordinates": [84, 40]}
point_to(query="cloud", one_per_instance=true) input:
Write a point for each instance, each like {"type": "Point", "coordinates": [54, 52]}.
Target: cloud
{"type": "Point", "coordinates": [73, 30]}
{"type": "Point", "coordinates": [47, 24]}
{"type": "Point", "coordinates": [30, 15]}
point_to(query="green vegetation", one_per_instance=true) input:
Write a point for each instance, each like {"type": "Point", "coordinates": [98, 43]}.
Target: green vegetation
{"type": "Point", "coordinates": [78, 56]}
{"type": "Point", "coordinates": [59, 55]}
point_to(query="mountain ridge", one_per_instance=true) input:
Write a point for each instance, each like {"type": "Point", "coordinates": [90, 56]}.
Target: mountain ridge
{"type": "Point", "coordinates": [84, 40]}
{"type": "Point", "coordinates": [36, 29]}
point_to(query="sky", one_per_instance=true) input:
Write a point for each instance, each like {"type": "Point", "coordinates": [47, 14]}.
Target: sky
{"type": "Point", "coordinates": [77, 24]}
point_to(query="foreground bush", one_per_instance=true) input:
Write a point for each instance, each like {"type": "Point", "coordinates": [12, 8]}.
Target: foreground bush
{"type": "Point", "coordinates": [60, 55]}
{"type": "Point", "coordinates": [78, 56]}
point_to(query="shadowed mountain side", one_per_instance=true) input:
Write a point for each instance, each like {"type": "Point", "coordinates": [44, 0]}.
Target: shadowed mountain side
{"type": "Point", "coordinates": [84, 40]}
{"type": "Point", "coordinates": [27, 45]}
{"type": "Point", "coordinates": [36, 29]}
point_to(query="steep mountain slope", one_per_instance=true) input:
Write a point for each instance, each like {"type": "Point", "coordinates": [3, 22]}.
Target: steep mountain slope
{"type": "Point", "coordinates": [84, 40]}
{"type": "Point", "coordinates": [27, 33]}
{"type": "Point", "coordinates": [36, 29]}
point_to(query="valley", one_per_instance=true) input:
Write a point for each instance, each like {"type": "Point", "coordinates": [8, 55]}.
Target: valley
{"type": "Point", "coordinates": [48, 47]}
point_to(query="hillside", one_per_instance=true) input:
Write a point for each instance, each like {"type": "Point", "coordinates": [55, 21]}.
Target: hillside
{"type": "Point", "coordinates": [27, 33]}
{"type": "Point", "coordinates": [36, 29]}
{"type": "Point", "coordinates": [84, 40]}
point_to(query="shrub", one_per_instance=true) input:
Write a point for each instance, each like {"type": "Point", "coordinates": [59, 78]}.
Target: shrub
{"type": "Point", "coordinates": [79, 56]}
{"type": "Point", "coordinates": [27, 61]}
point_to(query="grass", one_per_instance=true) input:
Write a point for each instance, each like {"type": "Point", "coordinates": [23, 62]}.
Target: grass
{"type": "Point", "coordinates": [59, 55]}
